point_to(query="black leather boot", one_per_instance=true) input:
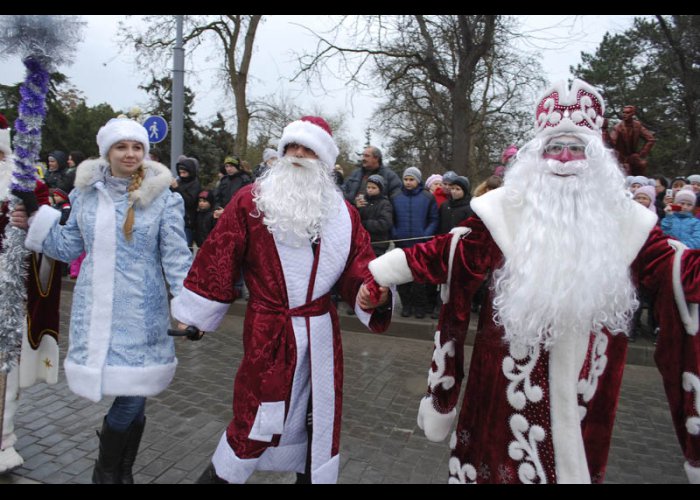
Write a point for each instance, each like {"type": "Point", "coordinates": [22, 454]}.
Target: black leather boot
{"type": "Point", "coordinates": [107, 467]}
{"type": "Point", "coordinates": [133, 440]}
{"type": "Point", "coordinates": [209, 476]}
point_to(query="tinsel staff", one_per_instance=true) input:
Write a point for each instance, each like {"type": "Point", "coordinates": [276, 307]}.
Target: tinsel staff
{"type": "Point", "coordinates": [43, 42]}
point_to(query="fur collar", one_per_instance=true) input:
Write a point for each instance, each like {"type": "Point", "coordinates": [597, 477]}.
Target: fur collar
{"type": "Point", "coordinates": [157, 179]}
{"type": "Point", "coordinates": [502, 219]}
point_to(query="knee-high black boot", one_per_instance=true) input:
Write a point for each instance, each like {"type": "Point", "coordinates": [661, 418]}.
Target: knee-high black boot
{"type": "Point", "coordinates": [133, 440]}
{"type": "Point", "coordinates": [107, 467]}
{"type": "Point", "coordinates": [209, 476]}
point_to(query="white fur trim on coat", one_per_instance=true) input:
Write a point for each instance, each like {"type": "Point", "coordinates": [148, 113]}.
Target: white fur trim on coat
{"type": "Point", "coordinates": [688, 312]}
{"type": "Point", "coordinates": [193, 309]}
{"type": "Point", "coordinates": [40, 225]}
{"type": "Point", "coordinates": [311, 136]}
{"type": "Point", "coordinates": [157, 179]}
{"type": "Point", "coordinates": [391, 268]}
{"type": "Point", "coordinates": [435, 425]}
{"type": "Point", "coordinates": [457, 234]}
{"type": "Point", "coordinates": [693, 473]}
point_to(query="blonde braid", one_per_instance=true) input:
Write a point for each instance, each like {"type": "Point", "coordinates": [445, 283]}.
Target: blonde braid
{"type": "Point", "coordinates": [136, 181]}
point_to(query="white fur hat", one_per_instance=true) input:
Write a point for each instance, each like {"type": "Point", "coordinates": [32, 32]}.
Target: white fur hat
{"type": "Point", "coordinates": [121, 129]}
{"type": "Point", "coordinates": [5, 144]}
{"type": "Point", "coordinates": [314, 133]}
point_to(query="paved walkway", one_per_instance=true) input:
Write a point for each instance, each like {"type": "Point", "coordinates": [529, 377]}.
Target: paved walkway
{"type": "Point", "coordinates": [385, 376]}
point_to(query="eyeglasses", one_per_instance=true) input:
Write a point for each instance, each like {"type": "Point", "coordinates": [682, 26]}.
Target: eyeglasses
{"type": "Point", "coordinates": [555, 148]}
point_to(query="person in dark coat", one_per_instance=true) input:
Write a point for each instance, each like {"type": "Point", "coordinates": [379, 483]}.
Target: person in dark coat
{"type": "Point", "coordinates": [457, 208]}
{"type": "Point", "coordinates": [377, 215]}
{"type": "Point", "coordinates": [205, 217]}
{"type": "Point", "coordinates": [57, 174]}
{"type": "Point", "coordinates": [188, 186]}
{"type": "Point", "coordinates": [234, 179]}
{"type": "Point", "coordinates": [356, 182]}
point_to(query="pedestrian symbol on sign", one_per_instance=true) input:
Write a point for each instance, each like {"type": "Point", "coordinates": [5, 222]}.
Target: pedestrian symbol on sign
{"type": "Point", "coordinates": [157, 128]}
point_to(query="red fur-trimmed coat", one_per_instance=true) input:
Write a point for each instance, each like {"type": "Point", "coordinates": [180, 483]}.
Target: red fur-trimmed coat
{"type": "Point", "coordinates": [546, 416]}
{"type": "Point", "coordinates": [291, 335]}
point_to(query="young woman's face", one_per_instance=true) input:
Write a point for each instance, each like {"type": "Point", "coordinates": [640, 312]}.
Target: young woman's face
{"type": "Point", "coordinates": [125, 158]}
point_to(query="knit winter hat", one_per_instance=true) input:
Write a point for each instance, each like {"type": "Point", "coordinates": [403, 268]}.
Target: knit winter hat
{"type": "Point", "coordinates": [232, 160]}
{"type": "Point", "coordinates": [378, 180]}
{"type": "Point", "coordinates": [121, 129]}
{"type": "Point", "coordinates": [413, 172]}
{"type": "Point", "coordinates": [206, 195]}
{"type": "Point", "coordinates": [694, 178]}
{"type": "Point", "coordinates": [59, 193]}
{"type": "Point", "coordinates": [639, 179]}
{"type": "Point", "coordinates": [462, 182]}
{"type": "Point", "coordinates": [449, 177]}
{"type": "Point", "coordinates": [268, 154]}
{"type": "Point", "coordinates": [650, 193]}
{"type": "Point", "coordinates": [5, 143]}
{"type": "Point", "coordinates": [312, 132]}
{"type": "Point", "coordinates": [685, 194]}
{"type": "Point", "coordinates": [431, 179]}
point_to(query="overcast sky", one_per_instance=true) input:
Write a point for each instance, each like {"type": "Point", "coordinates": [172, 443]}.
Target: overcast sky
{"type": "Point", "coordinates": [104, 74]}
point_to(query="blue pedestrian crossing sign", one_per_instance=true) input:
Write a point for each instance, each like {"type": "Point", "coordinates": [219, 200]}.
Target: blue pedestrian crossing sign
{"type": "Point", "coordinates": [157, 128]}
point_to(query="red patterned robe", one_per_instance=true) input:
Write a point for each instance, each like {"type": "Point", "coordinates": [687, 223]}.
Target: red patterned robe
{"type": "Point", "coordinates": [546, 416]}
{"type": "Point", "coordinates": [291, 336]}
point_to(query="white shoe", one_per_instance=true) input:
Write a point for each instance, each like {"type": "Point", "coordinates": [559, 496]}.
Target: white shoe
{"type": "Point", "coordinates": [9, 459]}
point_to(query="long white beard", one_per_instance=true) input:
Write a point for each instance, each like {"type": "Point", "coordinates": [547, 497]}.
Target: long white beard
{"type": "Point", "coordinates": [295, 202]}
{"type": "Point", "coordinates": [567, 274]}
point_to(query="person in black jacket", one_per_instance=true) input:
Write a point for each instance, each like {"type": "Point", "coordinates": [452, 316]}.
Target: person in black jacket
{"type": "Point", "coordinates": [205, 220]}
{"type": "Point", "coordinates": [457, 208]}
{"type": "Point", "coordinates": [57, 175]}
{"type": "Point", "coordinates": [188, 186]}
{"type": "Point", "coordinates": [377, 215]}
{"type": "Point", "coordinates": [234, 179]}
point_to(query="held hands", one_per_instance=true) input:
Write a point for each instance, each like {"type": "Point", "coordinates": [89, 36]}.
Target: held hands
{"type": "Point", "coordinates": [366, 301]}
{"type": "Point", "coordinates": [191, 332]}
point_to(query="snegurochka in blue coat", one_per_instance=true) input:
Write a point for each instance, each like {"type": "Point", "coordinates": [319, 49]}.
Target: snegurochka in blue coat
{"type": "Point", "coordinates": [132, 228]}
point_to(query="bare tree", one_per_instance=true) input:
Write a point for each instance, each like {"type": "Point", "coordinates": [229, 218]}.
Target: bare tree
{"type": "Point", "coordinates": [445, 78]}
{"type": "Point", "coordinates": [235, 34]}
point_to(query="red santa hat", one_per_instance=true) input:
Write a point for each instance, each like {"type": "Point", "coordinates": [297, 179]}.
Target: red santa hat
{"type": "Point", "coordinates": [5, 143]}
{"type": "Point", "coordinates": [577, 110]}
{"type": "Point", "coordinates": [312, 132]}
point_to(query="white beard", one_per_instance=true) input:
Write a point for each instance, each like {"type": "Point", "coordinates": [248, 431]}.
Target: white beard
{"type": "Point", "coordinates": [295, 202]}
{"type": "Point", "coordinates": [567, 274]}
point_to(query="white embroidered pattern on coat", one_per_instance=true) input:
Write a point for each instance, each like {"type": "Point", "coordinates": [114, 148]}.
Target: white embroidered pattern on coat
{"type": "Point", "coordinates": [691, 382]}
{"type": "Point", "coordinates": [598, 361]}
{"type": "Point", "coordinates": [520, 374]}
{"type": "Point", "coordinates": [439, 358]}
{"type": "Point", "coordinates": [459, 473]}
{"type": "Point", "coordinates": [524, 449]}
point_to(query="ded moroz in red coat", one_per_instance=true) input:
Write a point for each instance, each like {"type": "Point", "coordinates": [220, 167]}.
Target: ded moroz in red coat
{"type": "Point", "coordinates": [291, 335]}
{"type": "Point", "coordinates": [546, 416]}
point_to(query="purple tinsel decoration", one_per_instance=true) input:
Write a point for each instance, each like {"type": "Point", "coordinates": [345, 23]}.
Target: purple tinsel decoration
{"type": "Point", "coordinates": [32, 112]}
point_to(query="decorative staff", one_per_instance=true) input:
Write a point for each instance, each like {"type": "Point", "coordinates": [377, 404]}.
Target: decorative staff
{"type": "Point", "coordinates": [43, 42]}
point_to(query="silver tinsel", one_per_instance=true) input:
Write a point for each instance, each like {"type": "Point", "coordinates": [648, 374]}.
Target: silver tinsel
{"type": "Point", "coordinates": [13, 275]}
{"type": "Point", "coordinates": [51, 39]}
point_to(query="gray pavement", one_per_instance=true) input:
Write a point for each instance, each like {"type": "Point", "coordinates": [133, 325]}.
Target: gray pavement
{"type": "Point", "coordinates": [385, 376]}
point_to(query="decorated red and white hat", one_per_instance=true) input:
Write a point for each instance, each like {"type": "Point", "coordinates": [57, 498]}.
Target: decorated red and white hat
{"type": "Point", "coordinates": [312, 132]}
{"type": "Point", "coordinates": [577, 110]}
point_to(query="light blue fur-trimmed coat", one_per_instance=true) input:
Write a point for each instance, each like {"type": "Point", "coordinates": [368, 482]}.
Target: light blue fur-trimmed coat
{"type": "Point", "coordinates": [118, 343]}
